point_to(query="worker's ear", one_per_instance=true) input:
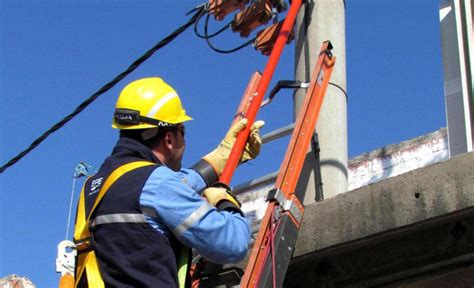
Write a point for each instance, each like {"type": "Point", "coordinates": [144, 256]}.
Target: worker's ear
{"type": "Point", "coordinates": [169, 141]}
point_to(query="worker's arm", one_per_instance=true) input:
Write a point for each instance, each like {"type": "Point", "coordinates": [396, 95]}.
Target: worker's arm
{"type": "Point", "coordinates": [221, 237]}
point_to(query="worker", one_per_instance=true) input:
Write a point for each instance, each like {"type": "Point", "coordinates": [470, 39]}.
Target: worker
{"type": "Point", "coordinates": [142, 229]}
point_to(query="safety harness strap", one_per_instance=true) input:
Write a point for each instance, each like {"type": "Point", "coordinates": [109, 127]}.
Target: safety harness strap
{"type": "Point", "coordinates": [91, 267]}
{"type": "Point", "coordinates": [114, 177]}
{"type": "Point", "coordinates": [183, 264]}
{"type": "Point", "coordinates": [87, 260]}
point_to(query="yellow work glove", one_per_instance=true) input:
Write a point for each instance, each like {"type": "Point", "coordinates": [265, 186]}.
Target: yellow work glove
{"type": "Point", "coordinates": [215, 195]}
{"type": "Point", "coordinates": [218, 157]}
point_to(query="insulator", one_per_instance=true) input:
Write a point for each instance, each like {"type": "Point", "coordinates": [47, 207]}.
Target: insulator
{"type": "Point", "coordinates": [266, 38]}
{"type": "Point", "coordinates": [220, 8]}
{"type": "Point", "coordinates": [259, 13]}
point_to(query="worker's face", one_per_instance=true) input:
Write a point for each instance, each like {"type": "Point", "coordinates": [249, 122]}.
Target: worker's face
{"type": "Point", "coordinates": [177, 151]}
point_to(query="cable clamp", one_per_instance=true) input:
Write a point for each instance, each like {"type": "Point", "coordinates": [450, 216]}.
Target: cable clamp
{"type": "Point", "coordinates": [305, 85]}
{"type": "Point", "coordinates": [284, 84]}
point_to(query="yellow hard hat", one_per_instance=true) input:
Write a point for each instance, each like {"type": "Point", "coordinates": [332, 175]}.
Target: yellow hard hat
{"type": "Point", "coordinates": [148, 103]}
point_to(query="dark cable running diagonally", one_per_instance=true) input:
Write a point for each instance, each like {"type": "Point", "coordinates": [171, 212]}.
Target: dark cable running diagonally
{"type": "Point", "coordinates": [105, 88]}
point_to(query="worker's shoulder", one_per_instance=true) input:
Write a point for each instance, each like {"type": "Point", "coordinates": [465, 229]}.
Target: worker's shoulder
{"type": "Point", "coordinates": [162, 174]}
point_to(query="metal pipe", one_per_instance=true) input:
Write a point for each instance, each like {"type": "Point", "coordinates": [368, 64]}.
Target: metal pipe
{"type": "Point", "coordinates": [251, 185]}
{"type": "Point", "coordinates": [276, 134]}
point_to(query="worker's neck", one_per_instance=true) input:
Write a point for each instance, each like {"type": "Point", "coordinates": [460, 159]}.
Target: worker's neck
{"type": "Point", "coordinates": [160, 156]}
{"type": "Point", "coordinates": [167, 160]}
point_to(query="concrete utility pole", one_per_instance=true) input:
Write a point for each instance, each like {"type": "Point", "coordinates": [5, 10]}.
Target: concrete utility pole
{"type": "Point", "coordinates": [317, 22]}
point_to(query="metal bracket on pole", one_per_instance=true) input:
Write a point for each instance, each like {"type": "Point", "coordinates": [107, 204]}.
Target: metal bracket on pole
{"type": "Point", "coordinates": [284, 84]}
{"type": "Point", "coordinates": [319, 196]}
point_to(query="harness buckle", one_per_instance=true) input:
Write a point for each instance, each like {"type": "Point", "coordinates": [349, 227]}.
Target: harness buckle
{"type": "Point", "coordinates": [83, 245]}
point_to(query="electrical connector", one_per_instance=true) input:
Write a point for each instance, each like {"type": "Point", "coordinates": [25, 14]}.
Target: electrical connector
{"type": "Point", "coordinates": [259, 13]}
{"type": "Point", "coordinates": [266, 38]}
{"type": "Point", "coordinates": [220, 8]}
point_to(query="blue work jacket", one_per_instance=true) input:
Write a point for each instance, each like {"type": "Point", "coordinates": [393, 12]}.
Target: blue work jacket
{"type": "Point", "coordinates": [144, 254]}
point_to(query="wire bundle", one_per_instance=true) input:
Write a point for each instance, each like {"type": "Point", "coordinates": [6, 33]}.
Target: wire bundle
{"type": "Point", "coordinates": [206, 36]}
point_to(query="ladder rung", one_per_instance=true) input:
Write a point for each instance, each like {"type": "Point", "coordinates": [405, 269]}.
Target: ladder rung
{"type": "Point", "coordinates": [278, 133]}
{"type": "Point", "coordinates": [269, 178]}
{"type": "Point", "coordinates": [248, 186]}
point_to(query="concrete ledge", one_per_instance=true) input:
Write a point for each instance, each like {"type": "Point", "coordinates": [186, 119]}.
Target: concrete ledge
{"type": "Point", "coordinates": [390, 230]}
{"type": "Point", "coordinates": [404, 200]}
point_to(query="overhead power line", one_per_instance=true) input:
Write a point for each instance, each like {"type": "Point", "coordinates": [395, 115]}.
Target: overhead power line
{"type": "Point", "coordinates": [197, 14]}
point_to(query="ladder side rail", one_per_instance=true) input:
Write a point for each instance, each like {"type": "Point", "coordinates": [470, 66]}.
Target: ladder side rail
{"type": "Point", "coordinates": [306, 122]}
{"type": "Point", "coordinates": [284, 211]}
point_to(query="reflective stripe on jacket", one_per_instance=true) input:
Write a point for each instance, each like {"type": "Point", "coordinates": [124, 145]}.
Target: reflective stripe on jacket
{"type": "Point", "coordinates": [129, 251]}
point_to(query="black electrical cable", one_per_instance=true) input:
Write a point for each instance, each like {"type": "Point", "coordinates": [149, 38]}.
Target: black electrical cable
{"type": "Point", "coordinates": [340, 88]}
{"type": "Point", "coordinates": [231, 50]}
{"type": "Point", "coordinates": [105, 88]}
{"type": "Point", "coordinates": [227, 26]}
{"type": "Point", "coordinates": [206, 34]}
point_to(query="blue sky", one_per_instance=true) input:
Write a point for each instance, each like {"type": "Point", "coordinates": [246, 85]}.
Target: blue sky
{"type": "Point", "coordinates": [55, 54]}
